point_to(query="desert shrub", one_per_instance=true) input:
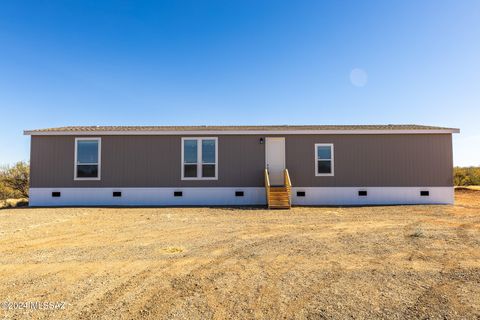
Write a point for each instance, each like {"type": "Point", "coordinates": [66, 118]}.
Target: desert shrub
{"type": "Point", "coordinates": [418, 233]}
{"type": "Point", "coordinates": [14, 181]}
{"type": "Point", "coordinates": [4, 195]}
{"type": "Point", "coordinates": [466, 176]}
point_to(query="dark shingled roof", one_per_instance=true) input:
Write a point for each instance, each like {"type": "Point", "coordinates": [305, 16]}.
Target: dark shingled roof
{"type": "Point", "coordinates": [238, 128]}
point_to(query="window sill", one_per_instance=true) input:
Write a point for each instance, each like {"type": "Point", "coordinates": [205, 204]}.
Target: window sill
{"type": "Point", "coordinates": [87, 179]}
{"type": "Point", "coordinates": [200, 179]}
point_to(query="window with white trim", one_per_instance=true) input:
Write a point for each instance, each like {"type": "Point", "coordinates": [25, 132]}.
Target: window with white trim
{"type": "Point", "coordinates": [324, 159]}
{"type": "Point", "coordinates": [87, 158]}
{"type": "Point", "coordinates": [199, 158]}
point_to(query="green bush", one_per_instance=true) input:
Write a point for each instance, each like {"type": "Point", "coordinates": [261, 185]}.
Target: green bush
{"type": "Point", "coordinates": [14, 181]}
{"type": "Point", "coordinates": [466, 176]}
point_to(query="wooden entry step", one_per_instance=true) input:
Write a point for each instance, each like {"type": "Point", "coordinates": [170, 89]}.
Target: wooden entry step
{"type": "Point", "coordinates": [278, 197]}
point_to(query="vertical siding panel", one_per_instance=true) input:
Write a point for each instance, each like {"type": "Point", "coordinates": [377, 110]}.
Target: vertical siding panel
{"type": "Point", "coordinates": [376, 160]}
{"type": "Point", "coordinates": [154, 161]}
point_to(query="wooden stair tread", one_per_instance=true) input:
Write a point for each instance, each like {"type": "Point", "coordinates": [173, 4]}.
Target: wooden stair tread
{"type": "Point", "coordinates": [282, 203]}
{"type": "Point", "coordinates": [278, 196]}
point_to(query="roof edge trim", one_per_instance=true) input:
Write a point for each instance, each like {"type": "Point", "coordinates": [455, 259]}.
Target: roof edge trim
{"type": "Point", "coordinates": [235, 132]}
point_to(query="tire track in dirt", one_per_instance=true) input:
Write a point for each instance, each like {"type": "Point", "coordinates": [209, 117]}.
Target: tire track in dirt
{"type": "Point", "coordinates": [272, 292]}
{"type": "Point", "coordinates": [133, 285]}
{"type": "Point", "coordinates": [463, 234]}
{"type": "Point", "coordinates": [97, 308]}
{"type": "Point", "coordinates": [441, 295]}
{"type": "Point", "coordinates": [22, 244]}
{"type": "Point", "coordinates": [314, 285]}
{"type": "Point", "coordinates": [198, 281]}
{"type": "Point", "coordinates": [410, 233]}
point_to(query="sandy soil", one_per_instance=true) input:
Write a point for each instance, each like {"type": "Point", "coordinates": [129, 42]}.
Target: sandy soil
{"type": "Point", "coordinates": [400, 262]}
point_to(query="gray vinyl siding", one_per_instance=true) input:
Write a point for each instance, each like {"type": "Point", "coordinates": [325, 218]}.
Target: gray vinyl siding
{"type": "Point", "coordinates": [374, 160]}
{"type": "Point", "coordinates": [155, 161]}
{"type": "Point", "coordinates": [144, 161]}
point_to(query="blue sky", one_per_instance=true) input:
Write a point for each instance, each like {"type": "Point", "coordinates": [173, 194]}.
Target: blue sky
{"type": "Point", "coordinates": [239, 62]}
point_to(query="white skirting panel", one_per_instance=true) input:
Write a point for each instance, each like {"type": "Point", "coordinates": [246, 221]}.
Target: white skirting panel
{"type": "Point", "coordinates": [226, 196]}
{"type": "Point", "coordinates": [41, 197]}
{"type": "Point", "coordinates": [375, 196]}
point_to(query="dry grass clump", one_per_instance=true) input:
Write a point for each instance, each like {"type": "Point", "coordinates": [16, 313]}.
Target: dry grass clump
{"type": "Point", "coordinates": [172, 250]}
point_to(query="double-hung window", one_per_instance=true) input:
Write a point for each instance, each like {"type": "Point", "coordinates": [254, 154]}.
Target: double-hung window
{"type": "Point", "coordinates": [87, 158]}
{"type": "Point", "coordinates": [199, 158]}
{"type": "Point", "coordinates": [324, 159]}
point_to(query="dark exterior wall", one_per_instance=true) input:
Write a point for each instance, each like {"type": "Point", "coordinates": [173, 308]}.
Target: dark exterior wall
{"type": "Point", "coordinates": [154, 161]}
{"type": "Point", "coordinates": [374, 160]}
{"type": "Point", "coordinates": [145, 161]}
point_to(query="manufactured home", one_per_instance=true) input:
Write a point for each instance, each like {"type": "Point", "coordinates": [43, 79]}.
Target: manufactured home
{"type": "Point", "coordinates": [278, 166]}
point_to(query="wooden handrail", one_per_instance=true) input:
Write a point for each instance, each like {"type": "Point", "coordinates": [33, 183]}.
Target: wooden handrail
{"type": "Point", "coordinates": [267, 186]}
{"type": "Point", "coordinates": [288, 182]}
{"type": "Point", "coordinates": [288, 185]}
{"type": "Point", "coordinates": [267, 179]}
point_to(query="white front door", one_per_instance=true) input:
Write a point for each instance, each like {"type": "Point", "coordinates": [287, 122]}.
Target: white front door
{"type": "Point", "coordinates": [275, 159]}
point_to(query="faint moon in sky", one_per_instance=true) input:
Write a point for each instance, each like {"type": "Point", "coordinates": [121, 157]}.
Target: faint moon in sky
{"type": "Point", "coordinates": [358, 77]}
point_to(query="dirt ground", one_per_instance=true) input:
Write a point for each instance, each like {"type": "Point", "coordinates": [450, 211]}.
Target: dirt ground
{"type": "Point", "coordinates": [400, 262]}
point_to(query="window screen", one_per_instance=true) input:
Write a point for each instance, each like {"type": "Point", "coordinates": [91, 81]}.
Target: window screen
{"type": "Point", "coordinates": [199, 158]}
{"type": "Point", "coordinates": [324, 159]}
{"type": "Point", "coordinates": [87, 162]}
